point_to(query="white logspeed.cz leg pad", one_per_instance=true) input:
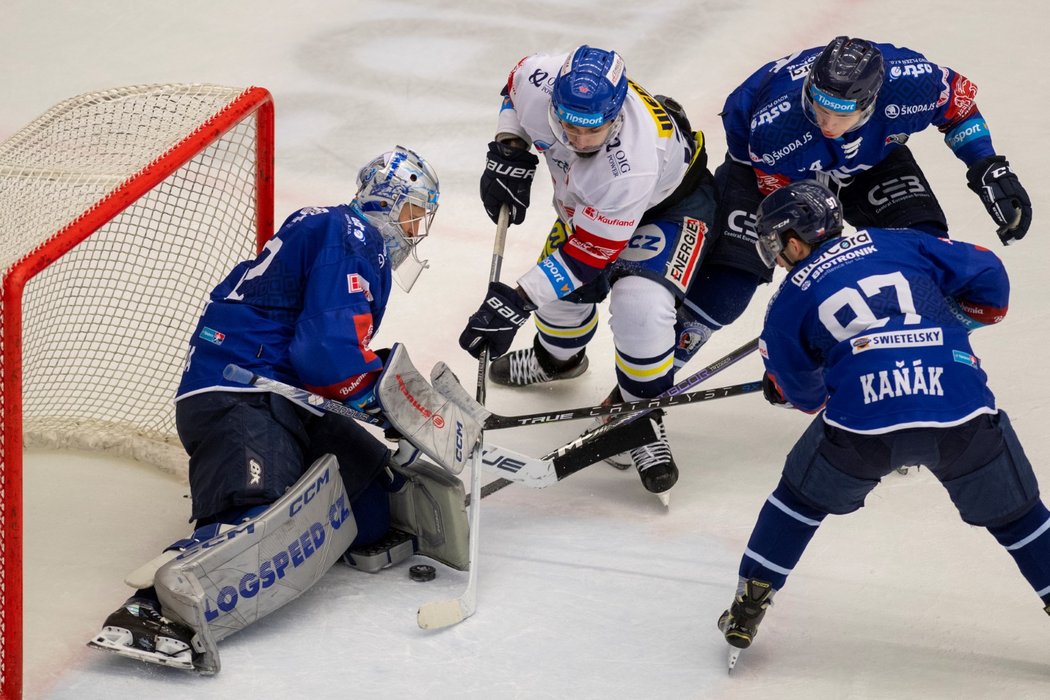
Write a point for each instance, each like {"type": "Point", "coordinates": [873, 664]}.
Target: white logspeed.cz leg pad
{"type": "Point", "coordinates": [246, 573]}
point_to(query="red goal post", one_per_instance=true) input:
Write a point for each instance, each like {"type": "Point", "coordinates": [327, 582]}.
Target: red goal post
{"type": "Point", "coordinates": [119, 211]}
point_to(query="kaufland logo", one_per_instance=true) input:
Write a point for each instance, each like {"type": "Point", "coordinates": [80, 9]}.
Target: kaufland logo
{"type": "Point", "coordinates": [595, 215]}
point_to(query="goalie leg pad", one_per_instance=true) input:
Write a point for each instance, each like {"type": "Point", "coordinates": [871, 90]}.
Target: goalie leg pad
{"type": "Point", "coordinates": [431, 506]}
{"type": "Point", "coordinates": [441, 429]}
{"type": "Point", "coordinates": [246, 573]}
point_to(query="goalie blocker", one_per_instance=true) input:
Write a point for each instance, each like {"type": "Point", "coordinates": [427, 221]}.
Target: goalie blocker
{"type": "Point", "coordinates": [442, 430]}
{"type": "Point", "coordinates": [222, 585]}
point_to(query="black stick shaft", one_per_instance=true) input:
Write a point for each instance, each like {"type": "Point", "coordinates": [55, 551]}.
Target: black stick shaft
{"type": "Point", "coordinates": [675, 396]}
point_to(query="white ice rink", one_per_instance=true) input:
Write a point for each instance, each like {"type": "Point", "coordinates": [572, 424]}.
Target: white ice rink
{"type": "Point", "coordinates": [589, 589]}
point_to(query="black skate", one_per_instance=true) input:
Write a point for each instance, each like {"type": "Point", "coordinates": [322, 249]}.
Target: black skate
{"type": "Point", "coordinates": [139, 631]}
{"type": "Point", "coordinates": [740, 622]}
{"type": "Point", "coordinates": [535, 365]}
{"type": "Point", "coordinates": [623, 460]}
{"type": "Point", "coordinates": [654, 462]}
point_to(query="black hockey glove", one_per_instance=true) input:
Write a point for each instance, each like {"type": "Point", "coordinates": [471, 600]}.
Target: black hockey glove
{"type": "Point", "coordinates": [1002, 195]}
{"type": "Point", "coordinates": [494, 324]}
{"type": "Point", "coordinates": [507, 180]}
{"type": "Point", "coordinates": [772, 392]}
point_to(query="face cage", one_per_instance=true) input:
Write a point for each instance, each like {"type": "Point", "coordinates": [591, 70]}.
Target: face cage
{"type": "Point", "coordinates": [559, 132]}
{"type": "Point", "coordinates": [401, 249]}
{"type": "Point", "coordinates": [811, 115]}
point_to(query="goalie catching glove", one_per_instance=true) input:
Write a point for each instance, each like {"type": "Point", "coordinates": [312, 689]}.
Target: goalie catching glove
{"type": "Point", "coordinates": [1003, 196]}
{"type": "Point", "coordinates": [507, 179]}
{"type": "Point", "coordinates": [496, 321]}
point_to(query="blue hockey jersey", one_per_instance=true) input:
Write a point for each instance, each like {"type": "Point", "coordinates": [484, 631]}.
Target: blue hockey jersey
{"type": "Point", "coordinates": [302, 312]}
{"type": "Point", "coordinates": [766, 125]}
{"type": "Point", "coordinates": [867, 325]}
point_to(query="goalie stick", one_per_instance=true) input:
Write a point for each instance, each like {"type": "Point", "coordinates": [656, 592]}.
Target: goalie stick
{"type": "Point", "coordinates": [235, 373]}
{"type": "Point", "coordinates": [444, 613]}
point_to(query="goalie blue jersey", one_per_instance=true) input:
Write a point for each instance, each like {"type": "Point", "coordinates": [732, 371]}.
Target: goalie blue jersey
{"type": "Point", "coordinates": [871, 326]}
{"type": "Point", "coordinates": [302, 312]}
{"type": "Point", "coordinates": [766, 125]}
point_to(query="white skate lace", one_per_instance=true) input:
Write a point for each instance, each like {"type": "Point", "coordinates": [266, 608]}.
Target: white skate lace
{"type": "Point", "coordinates": [655, 453]}
{"type": "Point", "coordinates": [524, 369]}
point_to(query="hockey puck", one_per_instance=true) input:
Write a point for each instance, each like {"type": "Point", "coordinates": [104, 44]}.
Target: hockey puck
{"type": "Point", "coordinates": [422, 572]}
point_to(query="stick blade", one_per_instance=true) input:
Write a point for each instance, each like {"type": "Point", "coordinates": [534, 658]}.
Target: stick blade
{"type": "Point", "coordinates": [519, 468]}
{"type": "Point", "coordinates": [442, 613]}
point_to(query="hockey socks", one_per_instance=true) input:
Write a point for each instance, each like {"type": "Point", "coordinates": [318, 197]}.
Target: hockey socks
{"type": "Point", "coordinates": [784, 528]}
{"type": "Point", "coordinates": [1027, 539]}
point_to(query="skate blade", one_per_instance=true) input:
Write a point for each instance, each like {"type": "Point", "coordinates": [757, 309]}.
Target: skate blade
{"type": "Point", "coordinates": [734, 654]}
{"type": "Point", "coordinates": [182, 660]}
{"type": "Point", "coordinates": [665, 498]}
{"type": "Point", "coordinates": [621, 461]}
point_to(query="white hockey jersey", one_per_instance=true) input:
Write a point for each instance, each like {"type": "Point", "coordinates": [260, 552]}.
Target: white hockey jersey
{"type": "Point", "coordinates": [601, 197]}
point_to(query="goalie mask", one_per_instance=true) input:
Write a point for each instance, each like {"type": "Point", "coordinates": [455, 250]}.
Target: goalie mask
{"type": "Point", "coordinates": [398, 193]}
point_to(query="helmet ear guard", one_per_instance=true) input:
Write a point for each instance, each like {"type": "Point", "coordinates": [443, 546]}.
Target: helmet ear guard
{"type": "Point", "coordinates": [805, 209]}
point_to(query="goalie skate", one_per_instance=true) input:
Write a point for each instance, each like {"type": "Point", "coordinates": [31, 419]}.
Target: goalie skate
{"type": "Point", "coordinates": [137, 630]}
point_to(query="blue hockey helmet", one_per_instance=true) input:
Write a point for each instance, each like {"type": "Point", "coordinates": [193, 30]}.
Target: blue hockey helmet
{"type": "Point", "coordinates": [385, 186]}
{"type": "Point", "coordinates": [589, 92]}
{"type": "Point", "coordinates": [806, 209]}
{"type": "Point", "coordinates": [846, 77]}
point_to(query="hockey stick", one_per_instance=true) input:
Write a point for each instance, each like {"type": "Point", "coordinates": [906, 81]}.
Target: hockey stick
{"type": "Point", "coordinates": [523, 469]}
{"type": "Point", "coordinates": [446, 383]}
{"type": "Point", "coordinates": [594, 436]}
{"type": "Point", "coordinates": [594, 445]}
{"type": "Point", "coordinates": [235, 373]}
{"type": "Point", "coordinates": [443, 613]}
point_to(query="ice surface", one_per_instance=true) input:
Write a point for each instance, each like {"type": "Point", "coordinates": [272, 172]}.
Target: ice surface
{"type": "Point", "coordinates": [588, 589]}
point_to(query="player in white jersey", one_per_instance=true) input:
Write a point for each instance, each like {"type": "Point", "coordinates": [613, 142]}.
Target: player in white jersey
{"type": "Point", "coordinates": [635, 203]}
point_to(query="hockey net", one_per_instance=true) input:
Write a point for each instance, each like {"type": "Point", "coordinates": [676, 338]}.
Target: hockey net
{"type": "Point", "coordinates": [119, 211]}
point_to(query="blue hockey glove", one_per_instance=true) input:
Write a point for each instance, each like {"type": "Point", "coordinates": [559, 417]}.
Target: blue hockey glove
{"type": "Point", "coordinates": [507, 179]}
{"type": "Point", "coordinates": [1003, 196]}
{"type": "Point", "coordinates": [496, 322]}
{"type": "Point", "coordinates": [771, 392]}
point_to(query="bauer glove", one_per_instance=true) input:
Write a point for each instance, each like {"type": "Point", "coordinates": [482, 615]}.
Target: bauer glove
{"type": "Point", "coordinates": [507, 180]}
{"type": "Point", "coordinates": [495, 323]}
{"type": "Point", "coordinates": [1003, 196]}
